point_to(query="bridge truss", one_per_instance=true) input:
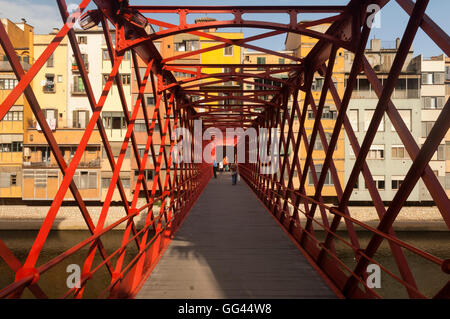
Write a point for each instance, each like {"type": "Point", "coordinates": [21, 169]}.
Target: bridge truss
{"type": "Point", "coordinates": [179, 102]}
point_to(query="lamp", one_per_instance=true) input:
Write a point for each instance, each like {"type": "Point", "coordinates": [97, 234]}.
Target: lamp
{"type": "Point", "coordinates": [90, 19]}
{"type": "Point", "coordinates": [135, 17]}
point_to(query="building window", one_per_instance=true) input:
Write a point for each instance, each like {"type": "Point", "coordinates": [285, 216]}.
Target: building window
{"type": "Point", "coordinates": [49, 86]}
{"type": "Point", "coordinates": [318, 143]}
{"type": "Point", "coordinates": [14, 116]}
{"type": "Point", "coordinates": [80, 118]}
{"type": "Point", "coordinates": [318, 168]}
{"type": "Point", "coordinates": [5, 148]}
{"type": "Point", "coordinates": [105, 182]}
{"type": "Point", "coordinates": [125, 181]}
{"type": "Point", "coordinates": [78, 85]}
{"type": "Point", "coordinates": [126, 79]}
{"type": "Point", "coordinates": [14, 147]}
{"type": "Point", "coordinates": [105, 55]}
{"type": "Point", "coordinates": [82, 39]}
{"type": "Point", "coordinates": [379, 182]}
{"type": "Point", "coordinates": [105, 79]}
{"type": "Point", "coordinates": [281, 61]}
{"type": "Point", "coordinates": [439, 155]}
{"type": "Point", "coordinates": [51, 115]}
{"type": "Point", "coordinates": [396, 181]}
{"type": "Point", "coordinates": [187, 45]}
{"type": "Point", "coordinates": [353, 117]}
{"type": "Point", "coordinates": [433, 102]}
{"type": "Point", "coordinates": [51, 62]}
{"type": "Point", "coordinates": [150, 100]}
{"type": "Point", "coordinates": [406, 117]}
{"type": "Point", "coordinates": [447, 151]}
{"type": "Point", "coordinates": [114, 120]}
{"type": "Point", "coordinates": [376, 152]}
{"type": "Point", "coordinates": [426, 128]}
{"type": "Point", "coordinates": [148, 174]}
{"type": "Point", "coordinates": [8, 84]}
{"type": "Point", "coordinates": [427, 78]}
{"type": "Point", "coordinates": [86, 179]}
{"type": "Point", "coordinates": [399, 151]}
{"type": "Point", "coordinates": [260, 60]}
{"type": "Point", "coordinates": [433, 78]}
{"type": "Point", "coordinates": [139, 126]}
{"type": "Point", "coordinates": [13, 179]}
{"type": "Point", "coordinates": [368, 115]}
{"type": "Point", "coordinates": [228, 51]}
{"type": "Point", "coordinates": [327, 114]}
{"type": "Point", "coordinates": [317, 84]}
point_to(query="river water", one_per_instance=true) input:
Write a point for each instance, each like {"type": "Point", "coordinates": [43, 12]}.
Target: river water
{"type": "Point", "coordinates": [428, 276]}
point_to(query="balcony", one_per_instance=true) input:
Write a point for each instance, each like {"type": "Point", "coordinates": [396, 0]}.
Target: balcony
{"type": "Point", "coordinates": [5, 66]}
{"type": "Point", "coordinates": [75, 68]}
{"type": "Point", "coordinates": [49, 87]}
{"type": "Point", "coordinates": [51, 164]}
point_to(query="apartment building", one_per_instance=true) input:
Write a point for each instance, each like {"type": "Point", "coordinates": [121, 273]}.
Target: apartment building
{"type": "Point", "coordinates": [447, 136]}
{"type": "Point", "coordinates": [228, 55]}
{"type": "Point", "coordinates": [140, 128]}
{"type": "Point", "coordinates": [255, 57]}
{"type": "Point", "coordinates": [93, 44]}
{"type": "Point", "coordinates": [301, 45]}
{"type": "Point", "coordinates": [387, 159]}
{"type": "Point", "coordinates": [432, 71]}
{"type": "Point", "coordinates": [19, 118]}
{"type": "Point", "coordinates": [41, 173]}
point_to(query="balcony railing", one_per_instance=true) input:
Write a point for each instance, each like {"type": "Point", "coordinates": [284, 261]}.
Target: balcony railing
{"type": "Point", "coordinates": [48, 164]}
{"type": "Point", "coordinates": [397, 94]}
{"type": "Point", "coordinates": [49, 87]}
{"type": "Point", "coordinates": [76, 69]}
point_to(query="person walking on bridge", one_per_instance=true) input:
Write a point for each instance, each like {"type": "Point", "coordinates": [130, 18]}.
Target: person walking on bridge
{"type": "Point", "coordinates": [215, 168]}
{"type": "Point", "coordinates": [234, 172]}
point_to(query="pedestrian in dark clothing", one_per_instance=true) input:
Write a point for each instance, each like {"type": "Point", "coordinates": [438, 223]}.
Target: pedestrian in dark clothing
{"type": "Point", "coordinates": [215, 168]}
{"type": "Point", "coordinates": [233, 169]}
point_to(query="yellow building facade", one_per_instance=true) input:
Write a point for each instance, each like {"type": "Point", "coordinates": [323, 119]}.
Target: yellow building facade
{"type": "Point", "coordinates": [228, 55]}
{"type": "Point", "coordinates": [301, 45]}
{"type": "Point", "coordinates": [19, 117]}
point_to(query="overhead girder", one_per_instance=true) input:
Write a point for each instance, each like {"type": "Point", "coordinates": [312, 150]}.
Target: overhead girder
{"type": "Point", "coordinates": [226, 77]}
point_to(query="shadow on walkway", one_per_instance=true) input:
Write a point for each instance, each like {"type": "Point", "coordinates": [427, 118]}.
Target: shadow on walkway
{"type": "Point", "coordinates": [230, 247]}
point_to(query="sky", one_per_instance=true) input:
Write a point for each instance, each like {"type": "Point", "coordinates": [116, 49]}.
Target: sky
{"type": "Point", "coordinates": [44, 15]}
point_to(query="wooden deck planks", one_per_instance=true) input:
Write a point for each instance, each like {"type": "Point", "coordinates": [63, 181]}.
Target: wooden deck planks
{"type": "Point", "coordinates": [230, 247]}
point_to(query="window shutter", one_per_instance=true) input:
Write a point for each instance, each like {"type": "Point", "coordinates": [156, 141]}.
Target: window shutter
{"type": "Point", "coordinates": [86, 114]}
{"type": "Point", "coordinates": [440, 102]}
{"type": "Point", "coordinates": [75, 119]}
{"type": "Point", "coordinates": [438, 78]}
{"type": "Point", "coordinates": [5, 180]}
{"type": "Point", "coordinates": [427, 102]}
{"type": "Point", "coordinates": [92, 180]}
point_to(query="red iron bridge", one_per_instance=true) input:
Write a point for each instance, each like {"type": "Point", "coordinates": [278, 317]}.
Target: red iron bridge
{"type": "Point", "coordinates": [263, 238]}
